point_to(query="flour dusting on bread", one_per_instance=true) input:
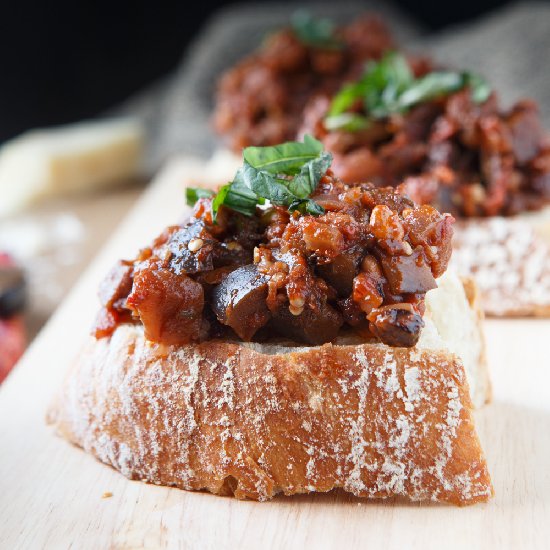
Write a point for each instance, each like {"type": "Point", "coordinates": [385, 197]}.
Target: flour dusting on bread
{"type": "Point", "coordinates": [377, 422]}
{"type": "Point", "coordinates": [510, 262]}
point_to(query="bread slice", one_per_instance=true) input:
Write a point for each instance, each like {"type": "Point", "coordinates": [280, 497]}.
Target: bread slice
{"type": "Point", "coordinates": [255, 420]}
{"type": "Point", "coordinates": [454, 322]}
{"type": "Point", "coordinates": [510, 261]}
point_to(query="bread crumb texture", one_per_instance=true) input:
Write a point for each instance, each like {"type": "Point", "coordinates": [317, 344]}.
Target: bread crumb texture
{"type": "Point", "coordinates": [510, 263]}
{"type": "Point", "coordinates": [222, 417]}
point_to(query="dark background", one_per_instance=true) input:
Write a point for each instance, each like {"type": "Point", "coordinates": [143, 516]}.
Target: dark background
{"type": "Point", "coordinates": [62, 60]}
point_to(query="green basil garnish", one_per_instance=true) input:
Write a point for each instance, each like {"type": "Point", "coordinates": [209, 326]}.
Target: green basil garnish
{"type": "Point", "coordinates": [389, 87]}
{"type": "Point", "coordinates": [350, 122]}
{"type": "Point", "coordinates": [284, 174]}
{"type": "Point", "coordinates": [193, 194]}
{"type": "Point", "coordinates": [479, 87]}
{"type": "Point", "coordinates": [316, 32]}
{"type": "Point", "coordinates": [238, 197]}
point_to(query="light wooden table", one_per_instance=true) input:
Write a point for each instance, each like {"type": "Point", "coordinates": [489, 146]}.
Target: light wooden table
{"type": "Point", "coordinates": [54, 263]}
{"type": "Point", "coordinates": [51, 493]}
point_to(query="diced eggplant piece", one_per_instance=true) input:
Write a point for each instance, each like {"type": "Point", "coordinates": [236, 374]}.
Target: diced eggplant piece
{"type": "Point", "coordinates": [194, 250]}
{"type": "Point", "coordinates": [408, 274]}
{"type": "Point", "coordinates": [117, 285]}
{"type": "Point", "coordinates": [231, 254]}
{"type": "Point", "coordinates": [341, 271]}
{"type": "Point", "coordinates": [240, 301]}
{"type": "Point", "coordinates": [312, 327]}
{"type": "Point", "coordinates": [169, 305]}
{"type": "Point", "coordinates": [396, 325]}
{"type": "Point", "coordinates": [195, 260]}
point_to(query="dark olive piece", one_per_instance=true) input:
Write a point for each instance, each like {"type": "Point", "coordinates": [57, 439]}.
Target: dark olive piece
{"type": "Point", "coordinates": [240, 301]}
{"type": "Point", "coordinates": [396, 326]}
{"type": "Point", "coordinates": [12, 291]}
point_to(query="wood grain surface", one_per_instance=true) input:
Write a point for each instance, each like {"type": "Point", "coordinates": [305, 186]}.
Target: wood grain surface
{"type": "Point", "coordinates": [53, 495]}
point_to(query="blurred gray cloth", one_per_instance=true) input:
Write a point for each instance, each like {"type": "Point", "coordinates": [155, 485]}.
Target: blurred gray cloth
{"type": "Point", "coordinates": [510, 47]}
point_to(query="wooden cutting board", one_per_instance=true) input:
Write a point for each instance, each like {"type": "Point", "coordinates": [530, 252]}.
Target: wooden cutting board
{"type": "Point", "coordinates": [52, 494]}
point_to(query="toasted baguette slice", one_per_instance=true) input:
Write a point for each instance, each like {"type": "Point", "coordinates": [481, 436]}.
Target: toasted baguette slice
{"type": "Point", "coordinates": [224, 417]}
{"type": "Point", "coordinates": [254, 420]}
{"type": "Point", "coordinates": [510, 261]}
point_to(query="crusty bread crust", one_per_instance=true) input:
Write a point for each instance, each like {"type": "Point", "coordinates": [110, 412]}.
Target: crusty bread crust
{"type": "Point", "coordinates": [222, 416]}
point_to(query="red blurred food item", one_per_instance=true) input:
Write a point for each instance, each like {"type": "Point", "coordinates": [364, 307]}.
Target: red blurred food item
{"type": "Point", "coordinates": [12, 343]}
{"type": "Point", "coordinates": [12, 328]}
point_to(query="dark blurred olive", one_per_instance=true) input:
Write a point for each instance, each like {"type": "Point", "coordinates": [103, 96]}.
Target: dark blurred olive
{"type": "Point", "coordinates": [12, 291]}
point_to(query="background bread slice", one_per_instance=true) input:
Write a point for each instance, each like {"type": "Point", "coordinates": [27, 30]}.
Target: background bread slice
{"type": "Point", "coordinates": [510, 261]}
{"type": "Point", "coordinates": [221, 416]}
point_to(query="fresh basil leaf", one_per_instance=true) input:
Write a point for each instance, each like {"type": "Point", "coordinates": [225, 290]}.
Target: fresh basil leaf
{"type": "Point", "coordinates": [388, 86]}
{"type": "Point", "coordinates": [236, 196]}
{"type": "Point", "coordinates": [285, 175]}
{"type": "Point", "coordinates": [316, 32]}
{"type": "Point", "coordinates": [266, 185]}
{"type": "Point", "coordinates": [381, 84]}
{"type": "Point", "coordinates": [219, 199]}
{"type": "Point", "coordinates": [479, 87]}
{"type": "Point", "coordinates": [286, 158]}
{"type": "Point", "coordinates": [306, 206]}
{"type": "Point", "coordinates": [282, 191]}
{"type": "Point", "coordinates": [431, 86]}
{"type": "Point", "coordinates": [392, 72]}
{"type": "Point", "coordinates": [385, 81]}
{"type": "Point", "coordinates": [311, 173]}
{"type": "Point", "coordinates": [193, 194]}
{"type": "Point", "coordinates": [349, 122]}
{"type": "Point", "coordinates": [346, 97]}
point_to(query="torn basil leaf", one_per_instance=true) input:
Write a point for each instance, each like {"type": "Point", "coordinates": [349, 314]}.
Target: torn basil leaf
{"type": "Point", "coordinates": [236, 196]}
{"type": "Point", "coordinates": [350, 122]}
{"type": "Point", "coordinates": [389, 87]}
{"type": "Point", "coordinates": [316, 32]}
{"type": "Point", "coordinates": [306, 206]}
{"type": "Point", "coordinates": [286, 158]}
{"type": "Point", "coordinates": [304, 183]}
{"type": "Point", "coordinates": [431, 86]}
{"type": "Point", "coordinates": [480, 88]}
{"type": "Point", "coordinates": [193, 194]}
{"type": "Point", "coordinates": [284, 174]}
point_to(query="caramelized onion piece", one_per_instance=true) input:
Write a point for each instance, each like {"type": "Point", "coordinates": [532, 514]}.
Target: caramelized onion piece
{"type": "Point", "coordinates": [169, 305]}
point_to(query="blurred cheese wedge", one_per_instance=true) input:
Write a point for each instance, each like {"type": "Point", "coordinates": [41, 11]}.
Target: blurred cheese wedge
{"type": "Point", "coordinates": [68, 159]}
